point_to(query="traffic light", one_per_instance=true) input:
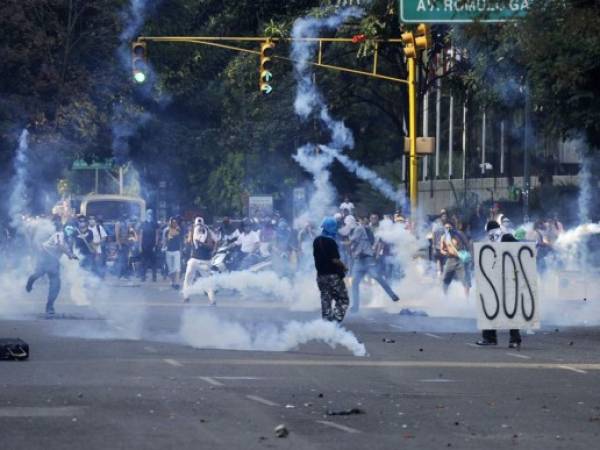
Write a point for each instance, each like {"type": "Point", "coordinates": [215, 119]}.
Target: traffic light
{"type": "Point", "coordinates": [139, 64]}
{"type": "Point", "coordinates": [409, 44]}
{"type": "Point", "coordinates": [267, 49]}
{"type": "Point", "coordinates": [423, 37]}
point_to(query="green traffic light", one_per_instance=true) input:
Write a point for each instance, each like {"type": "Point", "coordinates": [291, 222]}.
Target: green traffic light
{"type": "Point", "coordinates": [139, 77]}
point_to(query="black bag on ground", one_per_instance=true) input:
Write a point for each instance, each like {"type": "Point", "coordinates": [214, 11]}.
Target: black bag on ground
{"type": "Point", "coordinates": [13, 349]}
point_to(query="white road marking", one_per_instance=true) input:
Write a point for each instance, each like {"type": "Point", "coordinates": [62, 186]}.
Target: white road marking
{"type": "Point", "coordinates": [470, 344]}
{"type": "Point", "coordinates": [518, 355]}
{"type": "Point", "coordinates": [240, 378]}
{"type": "Point", "coordinates": [337, 426]}
{"type": "Point", "coordinates": [212, 381]}
{"type": "Point", "coordinates": [437, 380]}
{"type": "Point", "coordinates": [435, 336]}
{"type": "Point", "coordinates": [41, 411]}
{"type": "Point", "coordinates": [150, 349]}
{"type": "Point", "coordinates": [172, 362]}
{"type": "Point", "coordinates": [572, 369]}
{"type": "Point", "coordinates": [399, 327]}
{"type": "Point", "coordinates": [258, 399]}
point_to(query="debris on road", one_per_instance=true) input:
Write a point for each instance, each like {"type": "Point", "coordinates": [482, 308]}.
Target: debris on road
{"type": "Point", "coordinates": [281, 431]}
{"type": "Point", "coordinates": [345, 412]}
{"type": "Point", "coordinates": [413, 312]}
{"type": "Point", "coordinates": [288, 406]}
{"type": "Point", "coordinates": [320, 395]}
{"type": "Point", "coordinates": [388, 341]}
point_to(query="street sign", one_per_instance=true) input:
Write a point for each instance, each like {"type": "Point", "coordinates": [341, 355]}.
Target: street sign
{"type": "Point", "coordinates": [507, 291]}
{"type": "Point", "coordinates": [456, 11]}
{"type": "Point", "coordinates": [80, 164]}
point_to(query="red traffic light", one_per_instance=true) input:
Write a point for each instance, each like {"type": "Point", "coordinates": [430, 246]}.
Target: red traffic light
{"type": "Point", "coordinates": [359, 38]}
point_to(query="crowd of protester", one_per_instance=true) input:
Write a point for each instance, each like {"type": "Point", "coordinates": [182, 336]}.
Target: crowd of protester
{"type": "Point", "coordinates": [179, 250]}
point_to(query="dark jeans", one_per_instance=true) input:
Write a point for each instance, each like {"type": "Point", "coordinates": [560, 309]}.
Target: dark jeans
{"type": "Point", "coordinates": [362, 267]}
{"type": "Point", "coordinates": [492, 336]}
{"type": "Point", "coordinates": [49, 265]}
{"type": "Point", "coordinates": [148, 260]}
{"type": "Point", "coordinates": [122, 269]}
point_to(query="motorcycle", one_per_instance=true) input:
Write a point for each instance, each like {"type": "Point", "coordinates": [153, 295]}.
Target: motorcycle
{"type": "Point", "coordinates": [229, 257]}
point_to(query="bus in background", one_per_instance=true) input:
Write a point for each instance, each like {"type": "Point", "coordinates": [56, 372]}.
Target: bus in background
{"type": "Point", "coordinates": [110, 208]}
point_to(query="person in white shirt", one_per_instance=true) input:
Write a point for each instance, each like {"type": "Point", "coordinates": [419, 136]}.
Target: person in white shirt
{"type": "Point", "coordinates": [347, 205]}
{"type": "Point", "coordinates": [203, 244]}
{"type": "Point", "coordinates": [99, 236]}
{"type": "Point", "coordinates": [249, 243]}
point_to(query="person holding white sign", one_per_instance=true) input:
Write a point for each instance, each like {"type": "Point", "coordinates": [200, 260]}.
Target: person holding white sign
{"type": "Point", "coordinates": [490, 337]}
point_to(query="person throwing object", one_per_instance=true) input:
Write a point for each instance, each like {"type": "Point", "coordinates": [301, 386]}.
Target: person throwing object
{"type": "Point", "coordinates": [48, 263]}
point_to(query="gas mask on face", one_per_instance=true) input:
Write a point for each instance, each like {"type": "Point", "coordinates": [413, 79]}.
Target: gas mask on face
{"type": "Point", "coordinates": [495, 235]}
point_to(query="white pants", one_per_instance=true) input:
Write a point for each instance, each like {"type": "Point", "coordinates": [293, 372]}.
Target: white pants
{"type": "Point", "coordinates": [173, 262]}
{"type": "Point", "coordinates": [197, 267]}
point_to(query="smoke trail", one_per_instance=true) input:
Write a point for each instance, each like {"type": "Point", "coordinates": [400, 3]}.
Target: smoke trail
{"type": "Point", "coordinates": [309, 101]}
{"type": "Point", "coordinates": [365, 174]}
{"type": "Point", "coordinates": [18, 202]}
{"type": "Point", "coordinates": [322, 200]}
{"type": "Point", "coordinates": [205, 330]}
{"type": "Point", "coordinates": [585, 193]}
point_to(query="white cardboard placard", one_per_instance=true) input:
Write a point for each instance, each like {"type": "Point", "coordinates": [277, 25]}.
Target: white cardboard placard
{"type": "Point", "coordinates": [507, 290]}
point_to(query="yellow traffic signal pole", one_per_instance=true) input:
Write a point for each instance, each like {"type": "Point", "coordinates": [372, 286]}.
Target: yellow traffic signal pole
{"type": "Point", "coordinates": [412, 137]}
{"type": "Point", "coordinates": [423, 31]}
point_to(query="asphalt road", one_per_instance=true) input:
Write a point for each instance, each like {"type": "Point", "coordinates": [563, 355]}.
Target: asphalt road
{"type": "Point", "coordinates": [86, 386]}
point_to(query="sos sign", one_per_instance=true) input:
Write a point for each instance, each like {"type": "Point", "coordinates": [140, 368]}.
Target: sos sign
{"type": "Point", "coordinates": [507, 291]}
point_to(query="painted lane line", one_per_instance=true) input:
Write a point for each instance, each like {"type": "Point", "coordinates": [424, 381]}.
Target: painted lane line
{"type": "Point", "coordinates": [437, 380]}
{"type": "Point", "coordinates": [572, 369]}
{"type": "Point", "coordinates": [258, 399]}
{"type": "Point", "coordinates": [150, 349]}
{"type": "Point", "coordinates": [399, 327]}
{"type": "Point", "coordinates": [518, 355]}
{"type": "Point", "coordinates": [470, 344]}
{"type": "Point", "coordinates": [240, 378]}
{"type": "Point", "coordinates": [435, 336]}
{"type": "Point", "coordinates": [337, 426]}
{"type": "Point", "coordinates": [172, 362]}
{"type": "Point", "coordinates": [212, 381]}
{"type": "Point", "coordinates": [41, 411]}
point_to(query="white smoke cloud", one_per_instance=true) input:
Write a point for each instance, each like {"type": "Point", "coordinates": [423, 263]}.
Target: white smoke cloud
{"type": "Point", "coordinates": [379, 184]}
{"type": "Point", "coordinates": [206, 330]}
{"type": "Point", "coordinates": [248, 283]}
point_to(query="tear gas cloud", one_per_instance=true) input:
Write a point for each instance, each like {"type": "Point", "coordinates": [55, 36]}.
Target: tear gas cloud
{"type": "Point", "coordinates": [205, 330]}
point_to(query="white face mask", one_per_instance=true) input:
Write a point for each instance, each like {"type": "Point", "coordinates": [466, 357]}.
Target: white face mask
{"type": "Point", "coordinates": [495, 235]}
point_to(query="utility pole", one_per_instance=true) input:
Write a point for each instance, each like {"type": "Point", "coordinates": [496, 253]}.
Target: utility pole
{"type": "Point", "coordinates": [526, 149]}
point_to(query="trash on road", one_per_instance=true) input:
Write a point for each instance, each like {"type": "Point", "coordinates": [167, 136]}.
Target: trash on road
{"type": "Point", "coordinates": [345, 412]}
{"type": "Point", "coordinates": [388, 341]}
{"type": "Point", "coordinates": [281, 431]}
{"type": "Point", "coordinates": [413, 312]}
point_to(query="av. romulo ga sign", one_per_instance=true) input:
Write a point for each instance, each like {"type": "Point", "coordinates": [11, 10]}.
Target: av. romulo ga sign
{"type": "Point", "coordinates": [444, 11]}
{"type": "Point", "coordinates": [507, 291]}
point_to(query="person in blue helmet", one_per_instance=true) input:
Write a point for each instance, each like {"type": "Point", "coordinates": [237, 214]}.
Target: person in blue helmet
{"type": "Point", "coordinates": [330, 273]}
{"type": "Point", "coordinates": [48, 263]}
